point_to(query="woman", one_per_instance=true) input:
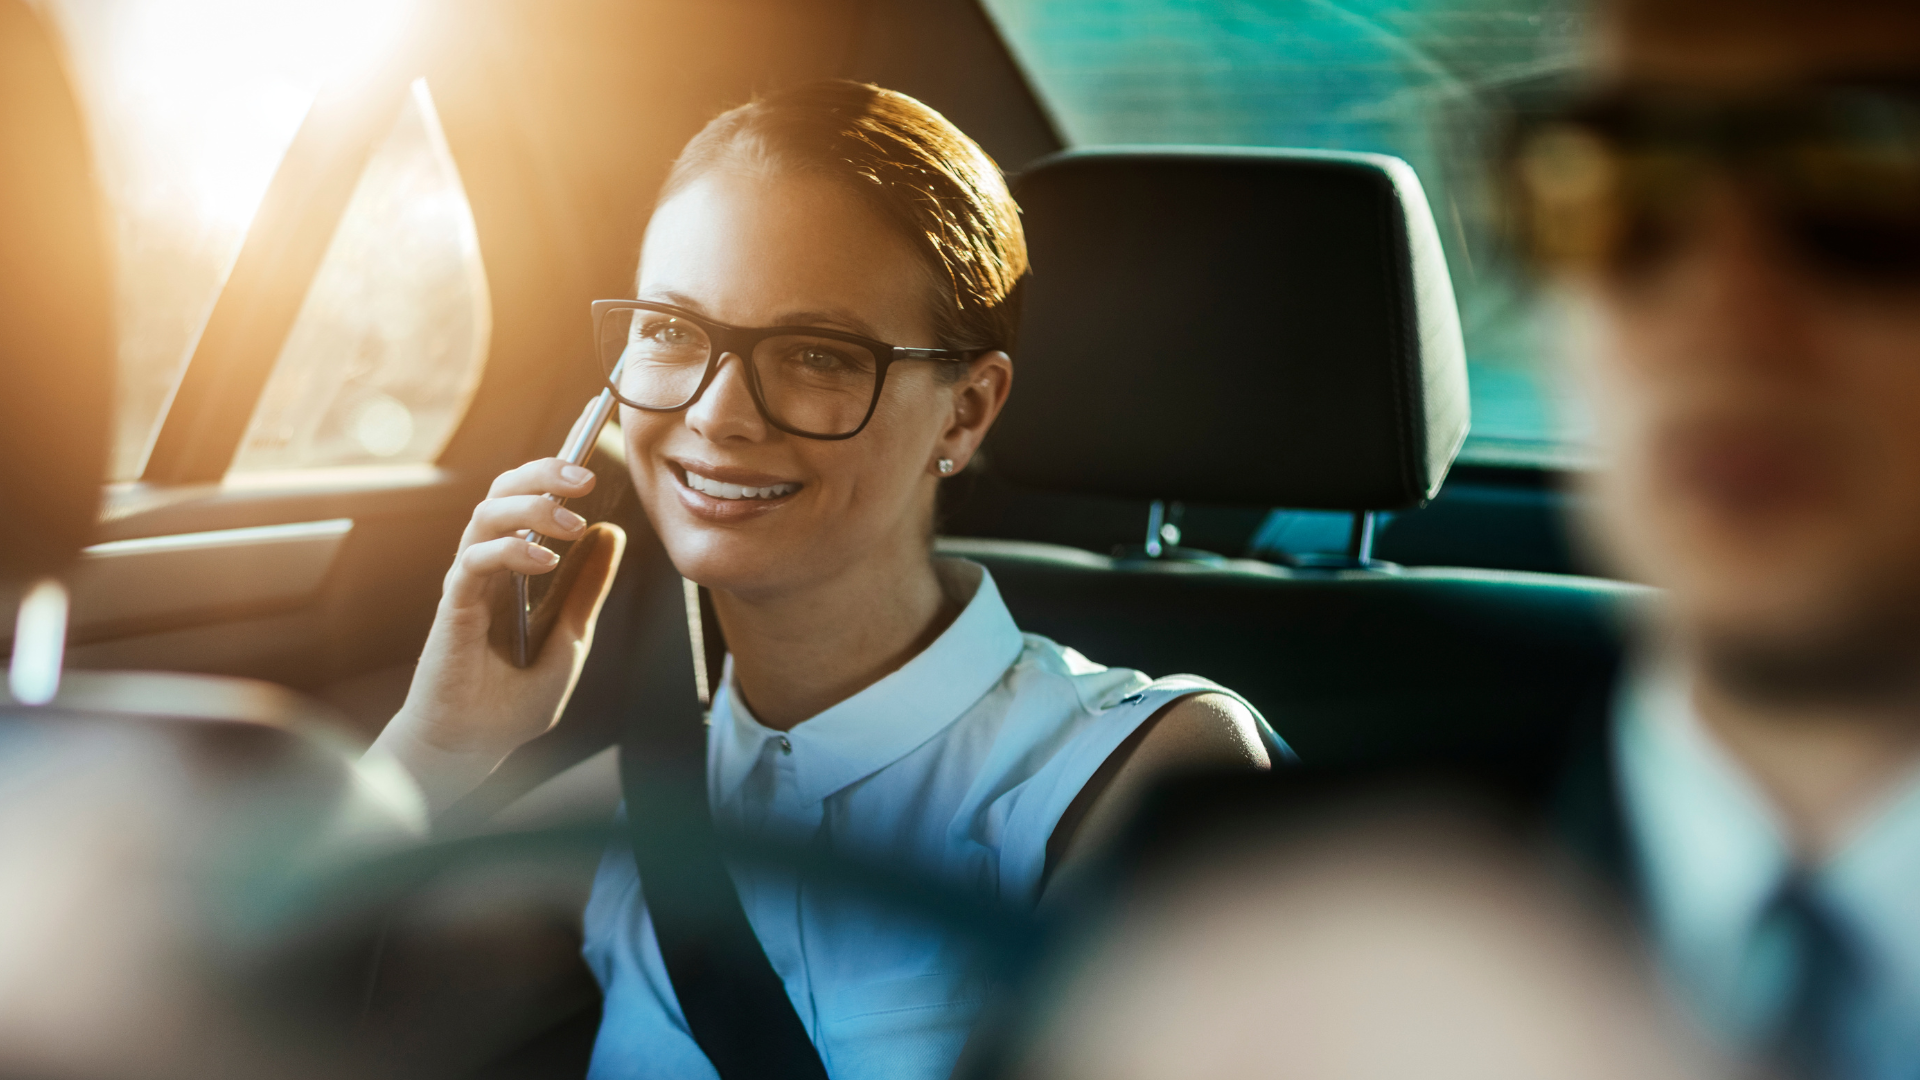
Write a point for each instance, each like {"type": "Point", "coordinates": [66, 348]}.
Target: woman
{"type": "Point", "coordinates": [873, 693]}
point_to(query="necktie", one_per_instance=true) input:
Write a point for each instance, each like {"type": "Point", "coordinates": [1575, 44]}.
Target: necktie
{"type": "Point", "coordinates": [1806, 1039]}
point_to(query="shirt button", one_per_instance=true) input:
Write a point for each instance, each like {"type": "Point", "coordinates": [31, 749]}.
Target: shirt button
{"type": "Point", "coordinates": [786, 745]}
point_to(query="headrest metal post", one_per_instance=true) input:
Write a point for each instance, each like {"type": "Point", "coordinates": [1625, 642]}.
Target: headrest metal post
{"type": "Point", "coordinates": [1360, 540]}
{"type": "Point", "coordinates": [1156, 518]}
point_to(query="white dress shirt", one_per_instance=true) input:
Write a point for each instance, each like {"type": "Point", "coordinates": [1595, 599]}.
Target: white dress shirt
{"type": "Point", "coordinates": [1712, 853]}
{"type": "Point", "coordinates": [959, 764]}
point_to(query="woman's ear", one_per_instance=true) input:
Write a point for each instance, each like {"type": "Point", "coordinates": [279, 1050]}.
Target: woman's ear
{"type": "Point", "coordinates": [978, 397]}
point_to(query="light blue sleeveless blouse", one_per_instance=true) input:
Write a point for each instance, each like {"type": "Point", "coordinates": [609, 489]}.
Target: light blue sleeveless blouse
{"type": "Point", "coordinates": [960, 764]}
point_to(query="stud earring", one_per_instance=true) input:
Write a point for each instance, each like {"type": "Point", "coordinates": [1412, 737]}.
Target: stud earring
{"type": "Point", "coordinates": [945, 465]}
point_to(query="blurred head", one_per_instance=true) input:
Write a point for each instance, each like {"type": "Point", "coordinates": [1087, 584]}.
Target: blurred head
{"type": "Point", "coordinates": [1756, 350]}
{"type": "Point", "coordinates": [1401, 938]}
{"type": "Point", "coordinates": [846, 207]}
{"type": "Point", "coordinates": [146, 864]}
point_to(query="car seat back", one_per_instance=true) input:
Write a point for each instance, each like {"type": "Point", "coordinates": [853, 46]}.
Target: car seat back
{"type": "Point", "coordinates": [1274, 329]}
{"type": "Point", "coordinates": [56, 311]}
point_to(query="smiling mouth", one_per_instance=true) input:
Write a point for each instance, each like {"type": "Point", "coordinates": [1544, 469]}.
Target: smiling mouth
{"type": "Point", "coordinates": [720, 489]}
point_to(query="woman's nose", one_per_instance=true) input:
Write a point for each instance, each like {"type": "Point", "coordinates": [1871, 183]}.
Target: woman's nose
{"type": "Point", "coordinates": [726, 410]}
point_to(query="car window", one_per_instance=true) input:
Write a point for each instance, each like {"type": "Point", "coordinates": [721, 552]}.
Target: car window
{"type": "Point", "coordinates": [191, 105]}
{"type": "Point", "coordinates": [391, 340]}
{"type": "Point", "coordinates": [1415, 78]}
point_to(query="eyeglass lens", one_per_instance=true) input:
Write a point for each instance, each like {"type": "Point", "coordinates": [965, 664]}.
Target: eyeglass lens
{"type": "Point", "coordinates": [812, 385]}
{"type": "Point", "coordinates": [1841, 184]}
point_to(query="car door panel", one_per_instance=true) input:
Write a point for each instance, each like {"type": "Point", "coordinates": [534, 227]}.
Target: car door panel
{"type": "Point", "coordinates": [124, 586]}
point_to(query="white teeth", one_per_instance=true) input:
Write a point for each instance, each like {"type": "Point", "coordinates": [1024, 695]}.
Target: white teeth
{"type": "Point", "coordinates": [721, 490]}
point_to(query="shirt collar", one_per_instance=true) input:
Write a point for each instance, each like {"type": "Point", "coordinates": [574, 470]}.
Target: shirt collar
{"type": "Point", "coordinates": [886, 721]}
{"type": "Point", "coordinates": [1710, 848]}
{"type": "Point", "coordinates": [1875, 879]}
{"type": "Point", "coordinates": [1713, 852]}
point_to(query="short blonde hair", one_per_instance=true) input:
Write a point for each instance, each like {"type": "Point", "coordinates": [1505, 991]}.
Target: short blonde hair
{"type": "Point", "coordinates": [922, 175]}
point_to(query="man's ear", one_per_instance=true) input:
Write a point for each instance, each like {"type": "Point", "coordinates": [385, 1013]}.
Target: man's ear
{"type": "Point", "coordinates": [978, 397]}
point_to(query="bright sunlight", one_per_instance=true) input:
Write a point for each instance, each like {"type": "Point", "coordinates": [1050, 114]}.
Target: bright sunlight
{"type": "Point", "coordinates": [193, 104]}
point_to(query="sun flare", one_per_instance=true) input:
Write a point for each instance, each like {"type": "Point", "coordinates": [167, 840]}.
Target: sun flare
{"type": "Point", "coordinates": [207, 94]}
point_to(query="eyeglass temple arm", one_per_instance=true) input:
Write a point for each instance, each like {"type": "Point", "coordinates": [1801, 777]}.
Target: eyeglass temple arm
{"type": "Point", "coordinates": [903, 353]}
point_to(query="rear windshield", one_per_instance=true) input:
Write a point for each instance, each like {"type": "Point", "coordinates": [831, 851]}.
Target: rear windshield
{"type": "Point", "coordinates": [1419, 79]}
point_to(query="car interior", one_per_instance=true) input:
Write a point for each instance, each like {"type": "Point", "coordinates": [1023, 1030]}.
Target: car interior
{"type": "Point", "coordinates": [1324, 513]}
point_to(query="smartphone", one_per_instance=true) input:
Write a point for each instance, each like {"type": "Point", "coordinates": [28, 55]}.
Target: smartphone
{"type": "Point", "coordinates": [525, 610]}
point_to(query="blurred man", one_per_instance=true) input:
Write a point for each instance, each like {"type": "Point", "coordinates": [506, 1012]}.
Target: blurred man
{"type": "Point", "coordinates": [1734, 203]}
{"type": "Point", "coordinates": [1737, 203]}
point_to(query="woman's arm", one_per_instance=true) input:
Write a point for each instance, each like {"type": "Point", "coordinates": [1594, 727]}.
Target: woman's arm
{"type": "Point", "coordinates": [1191, 734]}
{"type": "Point", "coordinates": [468, 707]}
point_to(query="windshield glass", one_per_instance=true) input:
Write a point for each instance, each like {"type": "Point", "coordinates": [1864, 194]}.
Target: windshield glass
{"type": "Point", "coordinates": [1418, 79]}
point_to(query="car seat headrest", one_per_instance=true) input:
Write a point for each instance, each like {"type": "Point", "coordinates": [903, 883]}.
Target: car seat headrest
{"type": "Point", "coordinates": [1234, 326]}
{"type": "Point", "coordinates": [56, 310]}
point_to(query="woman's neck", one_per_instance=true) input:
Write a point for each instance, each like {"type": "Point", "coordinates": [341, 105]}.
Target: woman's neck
{"type": "Point", "coordinates": [798, 654]}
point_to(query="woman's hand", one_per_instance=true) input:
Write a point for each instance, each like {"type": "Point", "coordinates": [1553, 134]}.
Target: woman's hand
{"type": "Point", "coordinates": [468, 707]}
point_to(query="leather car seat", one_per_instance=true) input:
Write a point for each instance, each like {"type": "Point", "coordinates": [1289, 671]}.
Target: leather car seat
{"type": "Point", "coordinates": [1275, 329]}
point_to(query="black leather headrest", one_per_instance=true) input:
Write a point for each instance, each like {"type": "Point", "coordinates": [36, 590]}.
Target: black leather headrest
{"type": "Point", "coordinates": [1234, 326]}
{"type": "Point", "coordinates": [56, 311]}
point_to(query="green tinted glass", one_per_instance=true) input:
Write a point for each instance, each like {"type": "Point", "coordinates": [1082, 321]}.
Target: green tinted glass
{"type": "Point", "coordinates": [1419, 79]}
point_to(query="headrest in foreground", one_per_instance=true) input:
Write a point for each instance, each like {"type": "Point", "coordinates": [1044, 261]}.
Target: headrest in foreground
{"type": "Point", "coordinates": [1234, 326]}
{"type": "Point", "coordinates": [56, 311]}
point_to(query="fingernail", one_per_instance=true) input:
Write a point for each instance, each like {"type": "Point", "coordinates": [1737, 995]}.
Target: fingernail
{"type": "Point", "coordinates": [576, 475]}
{"type": "Point", "coordinates": [543, 556]}
{"type": "Point", "coordinates": [567, 519]}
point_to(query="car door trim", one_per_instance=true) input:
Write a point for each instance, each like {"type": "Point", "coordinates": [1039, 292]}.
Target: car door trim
{"type": "Point", "coordinates": [149, 584]}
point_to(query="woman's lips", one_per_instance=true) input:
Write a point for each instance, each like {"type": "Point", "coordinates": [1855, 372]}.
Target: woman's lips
{"type": "Point", "coordinates": [727, 494]}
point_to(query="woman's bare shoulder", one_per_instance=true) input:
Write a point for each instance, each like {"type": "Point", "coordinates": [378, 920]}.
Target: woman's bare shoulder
{"type": "Point", "coordinates": [1200, 731]}
{"type": "Point", "coordinates": [1196, 733]}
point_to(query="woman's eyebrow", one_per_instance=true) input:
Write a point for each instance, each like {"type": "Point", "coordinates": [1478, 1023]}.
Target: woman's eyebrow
{"type": "Point", "coordinates": [840, 318]}
{"type": "Point", "coordinates": [679, 300]}
{"type": "Point", "coordinates": [845, 320]}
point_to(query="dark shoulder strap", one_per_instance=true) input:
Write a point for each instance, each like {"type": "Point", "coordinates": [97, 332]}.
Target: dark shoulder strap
{"type": "Point", "coordinates": [735, 1004]}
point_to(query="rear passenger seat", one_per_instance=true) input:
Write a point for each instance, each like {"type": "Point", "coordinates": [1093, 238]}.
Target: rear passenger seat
{"type": "Point", "coordinates": [1273, 329]}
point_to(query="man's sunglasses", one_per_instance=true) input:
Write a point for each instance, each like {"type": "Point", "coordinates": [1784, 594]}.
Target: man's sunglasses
{"type": "Point", "coordinates": [1613, 182]}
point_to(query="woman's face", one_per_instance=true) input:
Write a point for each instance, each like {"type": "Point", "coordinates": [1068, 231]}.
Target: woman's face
{"type": "Point", "coordinates": [796, 251]}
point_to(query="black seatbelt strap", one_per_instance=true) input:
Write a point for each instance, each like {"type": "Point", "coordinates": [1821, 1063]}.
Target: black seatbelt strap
{"type": "Point", "coordinates": [735, 1004]}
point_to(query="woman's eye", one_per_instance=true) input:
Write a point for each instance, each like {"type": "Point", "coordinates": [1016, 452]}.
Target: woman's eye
{"type": "Point", "coordinates": [670, 334]}
{"type": "Point", "coordinates": [819, 359]}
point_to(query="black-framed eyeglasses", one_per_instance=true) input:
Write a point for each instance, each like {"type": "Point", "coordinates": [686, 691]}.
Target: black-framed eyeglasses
{"type": "Point", "coordinates": [1612, 181]}
{"type": "Point", "coordinates": [805, 380]}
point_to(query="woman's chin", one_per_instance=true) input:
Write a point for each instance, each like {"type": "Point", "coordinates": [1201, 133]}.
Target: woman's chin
{"type": "Point", "coordinates": [726, 561]}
